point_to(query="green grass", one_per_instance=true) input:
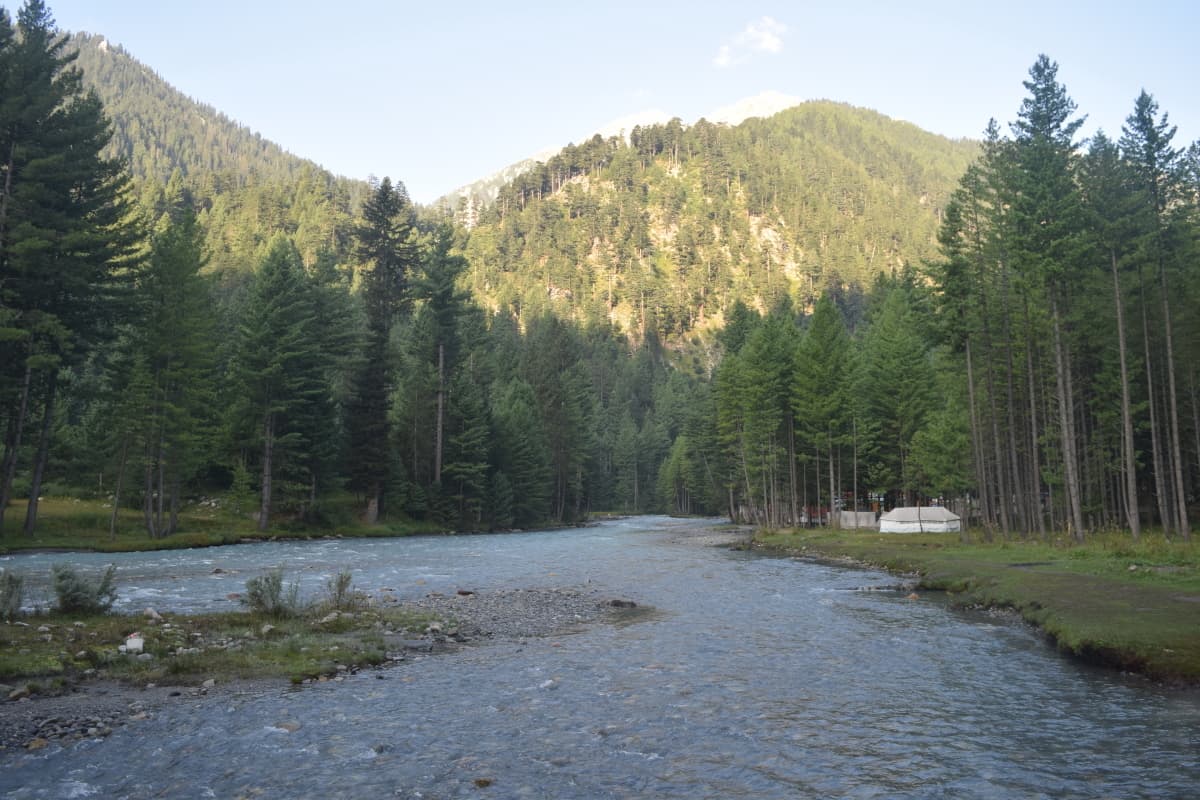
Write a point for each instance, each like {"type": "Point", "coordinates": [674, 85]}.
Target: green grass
{"type": "Point", "coordinates": [188, 650]}
{"type": "Point", "coordinates": [72, 523]}
{"type": "Point", "coordinates": [1133, 606]}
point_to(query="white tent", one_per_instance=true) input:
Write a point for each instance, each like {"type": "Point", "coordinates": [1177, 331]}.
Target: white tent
{"type": "Point", "coordinates": [919, 519]}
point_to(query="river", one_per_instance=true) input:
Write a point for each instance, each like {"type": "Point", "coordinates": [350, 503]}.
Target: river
{"type": "Point", "coordinates": [757, 677]}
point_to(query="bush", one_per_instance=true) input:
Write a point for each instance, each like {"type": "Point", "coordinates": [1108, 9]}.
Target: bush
{"type": "Point", "coordinates": [12, 591]}
{"type": "Point", "coordinates": [78, 594]}
{"type": "Point", "coordinates": [265, 595]}
{"type": "Point", "coordinates": [340, 594]}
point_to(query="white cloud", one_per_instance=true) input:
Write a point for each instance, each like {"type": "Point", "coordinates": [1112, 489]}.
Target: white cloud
{"type": "Point", "coordinates": [763, 35]}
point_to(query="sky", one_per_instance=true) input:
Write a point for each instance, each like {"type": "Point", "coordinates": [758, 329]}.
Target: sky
{"type": "Point", "coordinates": [440, 93]}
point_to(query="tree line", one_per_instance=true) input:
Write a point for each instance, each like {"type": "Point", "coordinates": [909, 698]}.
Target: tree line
{"type": "Point", "coordinates": [1066, 296]}
{"type": "Point", "coordinates": [1033, 370]}
{"type": "Point", "coordinates": [134, 368]}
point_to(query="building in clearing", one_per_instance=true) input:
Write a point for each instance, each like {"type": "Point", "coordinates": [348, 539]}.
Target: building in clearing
{"type": "Point", "coordinates": [920, 519]}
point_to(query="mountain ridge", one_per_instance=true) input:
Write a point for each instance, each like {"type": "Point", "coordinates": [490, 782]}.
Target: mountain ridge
{"type": "Point", "coordinates": [483, 190]}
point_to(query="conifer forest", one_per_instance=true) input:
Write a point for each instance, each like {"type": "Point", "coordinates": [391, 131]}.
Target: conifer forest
{"type": "Point", "coordinates": [825, 309]}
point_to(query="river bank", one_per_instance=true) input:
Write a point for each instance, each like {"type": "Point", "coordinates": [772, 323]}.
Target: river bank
{"type": "Point", "coordinates": [746, 676]}
{"type": "Point", "coordinates": [71, 700]}
{"type": "Point", "coordinates": [1129, 606]}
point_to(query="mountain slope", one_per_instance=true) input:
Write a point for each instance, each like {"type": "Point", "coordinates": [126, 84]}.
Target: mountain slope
{"type": "Point", "coordinates": [246, 187]}
{"type": "Point", "coordinates": [666, 232]}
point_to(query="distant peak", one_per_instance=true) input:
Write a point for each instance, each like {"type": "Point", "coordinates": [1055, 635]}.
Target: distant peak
{"type": "Point", "coordinates": [621, 126]}
{"type": "Point", "coordinates": [764, 104]}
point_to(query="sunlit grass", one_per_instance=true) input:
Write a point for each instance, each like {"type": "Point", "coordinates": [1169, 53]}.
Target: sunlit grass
{"type": "Point", "coordinates": [70, 523]}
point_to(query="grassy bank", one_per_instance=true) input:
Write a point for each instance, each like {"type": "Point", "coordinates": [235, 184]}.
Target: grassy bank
{"type": "Point", "coordinates": [1109, 601]}
{"type": "Point", "coordinates": [71, 523]}
{"type": "Point", "coordinates": [52, 652]}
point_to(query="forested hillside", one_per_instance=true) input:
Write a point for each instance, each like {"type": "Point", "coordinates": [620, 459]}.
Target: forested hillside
{"type": "Point", "coordinates": [664, 233]}
{"type": "Point", "coordinates": [244, 188]}
{"type": "Point", "coordinates": [821, 309]}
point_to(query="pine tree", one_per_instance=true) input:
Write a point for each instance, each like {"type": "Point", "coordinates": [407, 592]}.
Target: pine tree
{"type": "Point", "coordinates": [437, 286]}
{"type": "Point", "coordinates": [277, 376]}
{"type": "Point", "coordinates": [1047, 240]}
{"type": "Point", "coordinates": [67, 234]}
{"type": "Point", "coordinates": [1156, 167]}
{"type": "Point", "coordinates": [173, 338]}
{"type": "Point", "coordinates": [821, 378]}
{"type": "Point", "coordinates": [387, 249]}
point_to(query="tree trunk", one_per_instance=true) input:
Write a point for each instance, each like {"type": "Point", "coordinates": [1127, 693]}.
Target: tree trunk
{"type": "Point", "coordinates": [1181, 514]}
{"type": "Point", "coordinates": [1035, 457]}
{"type": "Point", "coordinates": [977, 447]}
{"type": "Point", "coordinates": [1160, 489]}
{"type": "Point", "coordinates": [441, 400]}
{"type": "Point", "coordinates": [148, 500]}
{"type": "Point", "coordinates": [791, 432]}
{"type": "Point", "coordinates": [116, 503]}
{"type": "Point", "coordinates": [1067, 426]}
{"type": "Point", "coordinates": [1130, 457]}
{"type": "Point", "coordinates": [43, 451]}
{"type": "Point", "coordinates": [160, 480]}
{"type": "Point", "coordinates": [854, 424]}
{"type": "Point", "coordinates": [173, 518]}
{"type": "Point", "coordinates": [264, 508]}
{"type": "Point", "coordinates": [834, 520]}
{"type": "Point", "coordinates": [16, 427]}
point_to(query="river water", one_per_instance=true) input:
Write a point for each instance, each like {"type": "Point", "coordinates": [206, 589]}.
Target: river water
{"type": "Point", "coordinates": [757, 677]}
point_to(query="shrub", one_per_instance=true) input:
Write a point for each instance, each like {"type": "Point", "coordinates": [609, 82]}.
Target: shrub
{"type": "Point", "coordinates": [12, 591]}
{"type": "Point", "coordinates": [340, 594]}
{"type": "Point", "coordinates": [78, 594]}
{"type": "Point", "coordinates": [265, 595]}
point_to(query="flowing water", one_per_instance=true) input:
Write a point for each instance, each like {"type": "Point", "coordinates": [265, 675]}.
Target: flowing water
{"type": "Point", "coordinates": [757, 677]}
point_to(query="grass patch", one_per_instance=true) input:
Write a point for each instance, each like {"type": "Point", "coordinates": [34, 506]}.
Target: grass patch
{"type": "Point", "coordinates": [189, 649]}
{"type": "Point", "coordinates": [73, 523]}
{"type": "Point", "coordinates": [1130, 605]}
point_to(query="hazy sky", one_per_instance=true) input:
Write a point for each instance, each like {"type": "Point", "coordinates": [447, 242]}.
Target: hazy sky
{"type": "Point", "coordinates": [439, 93]}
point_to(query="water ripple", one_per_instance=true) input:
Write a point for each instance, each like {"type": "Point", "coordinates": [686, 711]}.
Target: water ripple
{"type": "Point", "coordinates": [757, 678]}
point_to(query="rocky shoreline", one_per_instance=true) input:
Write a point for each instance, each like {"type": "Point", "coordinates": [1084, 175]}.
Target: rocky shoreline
{"type": "Point", "coordinates": [31, 721]}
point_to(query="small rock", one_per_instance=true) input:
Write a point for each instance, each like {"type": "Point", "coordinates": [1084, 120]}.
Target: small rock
{"type": "Point", "coordinates": [37, 744]}
{"type": "Point", "coordinates": [434, 627]}
{"type": "Point", "coordinates": [145, 657]}
{"type": "Point", "coordinates": [330, 617]}
{"type": "Point", "coordinates": [290, 726]}
{"type": "Point", "coordinates": [152, 615]}
{"type": "Point", "coordinates": [20, 693]}
{"type": "Point", "coordinates": [1133, 567]}
{"type": "Point", "coordinates": [140, 716]}
{"type": "Point", "coordinates": [208, 684]}
{"type": "Point", "coordinates": [218, 571]}
{"type": "Point", "coordinates": [79, 624]}
{"type": "Point", "coordinates": [266, 629]}
{"type": "Point", "coordinates": [622, 603]}
{"type": "Point", "coordinates": [82, 654]}
{"type": "Point", "coordinates": [465, 592]}
{"type": "Point", "coordinates": [913, 596]}
{"type": "Point", "coordinates": [483, 783]}
{"type": "Point", "coordinates": [43, 629]}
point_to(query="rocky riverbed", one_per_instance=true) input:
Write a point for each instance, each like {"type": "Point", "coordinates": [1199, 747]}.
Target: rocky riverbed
{"type": "Point", "coordinates": [32, 719]}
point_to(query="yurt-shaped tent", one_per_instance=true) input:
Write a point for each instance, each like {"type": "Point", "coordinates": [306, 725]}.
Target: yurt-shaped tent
{"type": "Point", "coordinates": [919, 519]}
